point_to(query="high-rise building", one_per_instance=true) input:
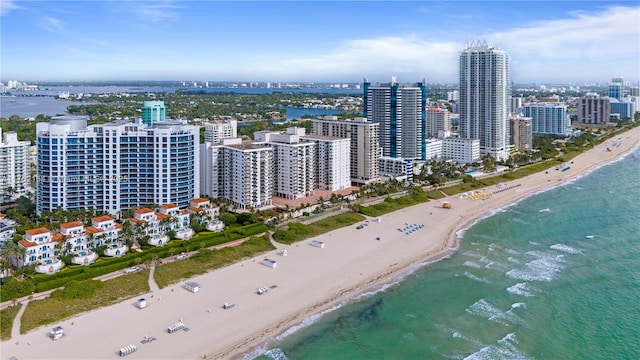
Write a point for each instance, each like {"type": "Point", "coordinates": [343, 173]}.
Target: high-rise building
{"type": "Point", "coordinates": [248, 171]}
{"type": "Point", "coordinates": [453, 95]}
{"type": "Point", "coordinates": [242, 172]}
{"type": "Point", "coordinates": [548, 118]}
{"type": "Point", "coordinates": [521, 133]}
{"type": "Point", "coordinates": [15, 166]}
{"type": "Point", "coordinates": [438, 119]}
{"type": "Point", "coordinates": [153, 112]}
{"type": "Point", "coordinates": [484, 98]}
{"type": "Point", "coordinates": [400, 109]}
{"type": "Point", "coordinates": [333, 161]}
{"type": "Point", "coordinates": [616, 88]}
{"type": "Point", "coordinates": [218, 129]}
{"type": "Point", "coordinates": [593, 109]}
{"type": "Point", "coordinates": [294, 162]}
{"type": "Point", "coordinates": [623, 109]}
{"type": "Point", "coordinates": [516, 104]}
{"type": "Point", "coordinates": [115, 166]}
{"type": "Point", "coordinates": [365, 149]}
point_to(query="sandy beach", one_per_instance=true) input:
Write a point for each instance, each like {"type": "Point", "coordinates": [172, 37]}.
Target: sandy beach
{"type": "Point", "coordinates": [308, 281]}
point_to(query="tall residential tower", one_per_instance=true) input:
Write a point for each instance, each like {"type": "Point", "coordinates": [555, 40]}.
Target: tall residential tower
{"type": "Point", "coordinates": [153, 111]}
{"type": "Point", "coordinates": [400, 109]}
{"type": "Point", "coordinates": [484, 98]}
{"type": "Point", "coordinates": [15, 166]}
{"type": "Point", "coordinates": [115, 166]}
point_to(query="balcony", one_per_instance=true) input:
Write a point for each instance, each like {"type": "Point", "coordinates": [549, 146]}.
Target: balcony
{"type": "Point", "coordinates": [116, 249]}
{"type": "Point", "coordinates": [84, 257]}
{"type": "Point", "coordinates": [49, 266]}
{"type": "Point", "coordinates": [184, 233]}
{"type": "Point", "coordinates": [158, 240]}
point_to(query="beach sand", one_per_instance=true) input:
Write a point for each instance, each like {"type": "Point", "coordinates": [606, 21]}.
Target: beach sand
{"type": "Point", "coordinates": [309, 280]}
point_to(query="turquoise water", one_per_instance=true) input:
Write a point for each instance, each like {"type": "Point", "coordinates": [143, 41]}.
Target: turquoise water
{"type": "Point", "coordinates": [555, 276]}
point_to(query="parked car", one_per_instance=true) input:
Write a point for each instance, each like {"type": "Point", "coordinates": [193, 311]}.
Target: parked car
{"type": "Point", "coordinates": [132, 270]}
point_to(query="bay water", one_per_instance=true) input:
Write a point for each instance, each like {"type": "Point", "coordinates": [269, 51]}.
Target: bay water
{"type": "Point", "coordinates": [554, 276]}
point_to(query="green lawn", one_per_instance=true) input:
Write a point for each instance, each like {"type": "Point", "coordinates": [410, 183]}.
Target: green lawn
{"type": "Point", "coordinates": [81, 296]}
{"type": "Point", "coordinates": [206, 260]}
{"type": "Point", "coordinates": [7, 315]}
{"type": "Point", "coordinates": [298, 231]}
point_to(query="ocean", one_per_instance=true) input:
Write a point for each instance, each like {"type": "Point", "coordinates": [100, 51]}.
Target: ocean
{"type": "Point", "coordinates": [554, 276]}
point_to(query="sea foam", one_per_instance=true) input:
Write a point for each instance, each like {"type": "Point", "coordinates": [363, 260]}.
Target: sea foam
{"type": "Point", "coordinates": [544, 268]}
{"type": "Point", "coordinates": [522, 289]}
{"type": "Point", "coordinates": [485, 309]}
{"type": "Point", "coordinates": [276, 354]}
{"type": "Point", "coordinates": [504, 349]}
{"type": "Point", "coordinates": [565, 248]}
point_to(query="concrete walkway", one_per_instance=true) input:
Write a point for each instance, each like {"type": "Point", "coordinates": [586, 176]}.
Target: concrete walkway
{"type": "Point", "coordinates": [153, 286]}
{"type": "Point", "coordinates": [15, 330]}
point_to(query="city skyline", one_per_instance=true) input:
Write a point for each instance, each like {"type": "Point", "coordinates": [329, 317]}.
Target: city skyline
{"type": "Point", "coordinates": [568, 42]}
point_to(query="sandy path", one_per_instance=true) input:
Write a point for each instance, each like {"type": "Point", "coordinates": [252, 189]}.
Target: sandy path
{"type": "Point", "coordinates": [309, 280]}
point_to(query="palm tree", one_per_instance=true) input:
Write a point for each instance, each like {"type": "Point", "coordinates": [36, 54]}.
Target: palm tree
{"type": "Point", "coordinates": [67, 247]}
{"type": "Point", "coordinates": [13, 252]}
{"type": "Point", "coordinates": [127, 232]}
{"type": "Point", "coordinates": [91, 241]}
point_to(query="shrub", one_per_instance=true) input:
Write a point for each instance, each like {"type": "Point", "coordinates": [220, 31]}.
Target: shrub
{"type": "Point", "coordinates": [78, 289]}
{"type": "Point", "coordinates": [14, 289]}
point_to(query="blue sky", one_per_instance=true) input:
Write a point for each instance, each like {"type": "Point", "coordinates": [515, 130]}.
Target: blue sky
{"type": "Point", "coordinates": [311, 41]}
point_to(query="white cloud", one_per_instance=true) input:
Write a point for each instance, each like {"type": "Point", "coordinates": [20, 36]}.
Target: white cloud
{"type": "Point", "coordinates": [608, 41]}
{"type": "Point", "coordinates": [583, 46]}
{"type": "Point", "coordinates": [401, 56]}
{"type": "Point", "coordinates": [154, 11]}
{"type": "Point", "coordinates": [6, 6]}
{"type": "Point", "coordinates": [53, 24]}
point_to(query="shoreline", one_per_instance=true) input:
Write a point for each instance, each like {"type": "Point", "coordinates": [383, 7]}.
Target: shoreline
{"type": "Point", "coordinates": [309, 281]}
{"type": "Point", "coordinates": [449, 246]}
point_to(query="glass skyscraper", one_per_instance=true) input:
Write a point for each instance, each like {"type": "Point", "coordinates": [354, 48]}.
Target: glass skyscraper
{"type": "Point", "coordinates": [548, 118]}
{"type": "Point", "coordinates": [400, 110]}
{"type": "Point", "coordinates": [153, 112]}
{"type": "Point", "coordinates": [616, 88]}
{"type": "Point", "coordinates": [484, 98]}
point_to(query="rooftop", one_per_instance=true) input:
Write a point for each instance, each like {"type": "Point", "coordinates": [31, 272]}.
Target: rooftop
{"type": "Point", "coordinates": [102, 218]}
{"type": "Point", "coordinates": [71, 224]}
{"type": "Point", "coordinates": [38, 231]}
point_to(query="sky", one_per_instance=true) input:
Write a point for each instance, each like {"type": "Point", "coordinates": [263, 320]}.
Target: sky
{"type": "Point", "coordinates": [549, 42]}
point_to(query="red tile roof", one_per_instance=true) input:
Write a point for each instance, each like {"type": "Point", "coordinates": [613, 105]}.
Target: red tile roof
{"type": "Point", "coordinates": [168, 206]}
{"type": "Point", "coordinates": [161, 216]}
{"type": "Point", "coordinates": [143, 211]}
{"type": "Point", "coordinates": [26, 244]}
{"type": "Point", "coordinates": [71, 224]}
{"type": "Point", "coordinates": [102, 218]}
{"type": "Point", "coordinates": [38, 231]}
{"type": "Point", "coordinates": [92, 230]}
